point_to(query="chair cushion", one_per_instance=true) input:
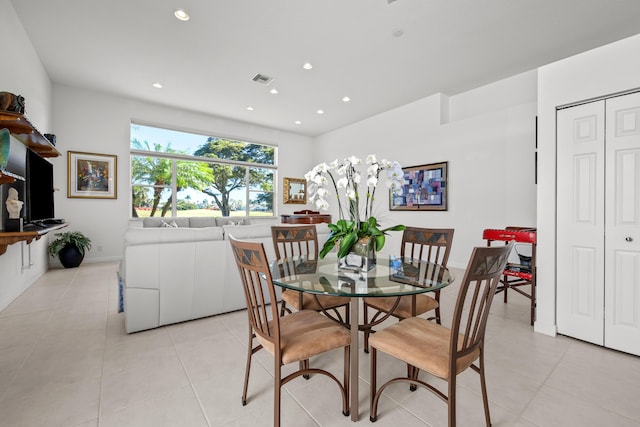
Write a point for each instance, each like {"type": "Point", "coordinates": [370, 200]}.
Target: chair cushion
{"type": "Point", "coordinates": [423, 344]}
{"type": "Point", "coordinates": [309, 302]}
{"type": "Point", "coordinates": [424, 303]}
{"type": "Point", "coordinates": [307, 333]}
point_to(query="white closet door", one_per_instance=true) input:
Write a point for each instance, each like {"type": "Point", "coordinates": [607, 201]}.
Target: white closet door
{"type": "Point", "coordinates": [622, 230]}
{"type": "Point", "coordinates": [580, 218]}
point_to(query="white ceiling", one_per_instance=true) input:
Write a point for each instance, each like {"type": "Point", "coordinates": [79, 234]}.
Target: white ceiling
{"type": "Point", "coordinates": [206, 64]}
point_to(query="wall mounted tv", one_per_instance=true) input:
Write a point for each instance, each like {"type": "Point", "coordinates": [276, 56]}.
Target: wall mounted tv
{"type": "Point", "coordinates": [39, 188]}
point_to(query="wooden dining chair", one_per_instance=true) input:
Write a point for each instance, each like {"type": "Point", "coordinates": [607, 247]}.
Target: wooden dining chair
{"type": "Point", "coordinates": [440, 351]}
{"type": "Point", "coordinates": [296, 337]}
{"type": "Point", "coordinates": [302, 240]}
{"type": "Point", "coordinates": [430, 244]}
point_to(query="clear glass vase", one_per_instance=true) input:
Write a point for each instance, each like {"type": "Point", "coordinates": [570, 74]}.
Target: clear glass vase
{"type": "Point", "coordinates": [361, 257]}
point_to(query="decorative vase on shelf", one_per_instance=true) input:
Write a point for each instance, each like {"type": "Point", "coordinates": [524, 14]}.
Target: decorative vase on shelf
{"type": "Point", "coordinates": [361, 257]}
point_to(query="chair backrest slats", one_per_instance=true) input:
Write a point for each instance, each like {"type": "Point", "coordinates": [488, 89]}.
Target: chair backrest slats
{"type": "Point", "coordinates": [259, 290]}
{"type": "Point", "coordinates": [478, 286]}
{"type": "Point", "coordinates": [291, 241]}
{"type": "Point", "coordinates": [431, 244]}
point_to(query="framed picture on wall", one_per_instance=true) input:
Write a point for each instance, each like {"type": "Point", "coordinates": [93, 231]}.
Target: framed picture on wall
{"type": "Point", "coordinates": [425, 189]}
{"type": "Point", "coordinates": [91, 175]}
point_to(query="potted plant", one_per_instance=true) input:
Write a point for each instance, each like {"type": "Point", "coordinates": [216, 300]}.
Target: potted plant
{"type": "Point", "coordinates": [70, 248]}
{"type": "Point", "coordinates": [357, 231]}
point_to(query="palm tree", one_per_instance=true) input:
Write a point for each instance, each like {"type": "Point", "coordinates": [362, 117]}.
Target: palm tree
{"type": "Point", "coordinates": [157, 172]}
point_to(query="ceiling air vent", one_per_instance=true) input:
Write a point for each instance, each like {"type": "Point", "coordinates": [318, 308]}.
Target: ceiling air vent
{"type": "Point", "coordinates": [262, 79]}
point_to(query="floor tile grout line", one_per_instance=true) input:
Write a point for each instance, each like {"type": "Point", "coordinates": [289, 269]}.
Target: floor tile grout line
{"type": "Point", "coordinates": [542, 385]}
{"type": "Point", "coordinates": [15, 374]}
{"type": "Point", "coordinates": [561, 360]}
{"type": "Point", "coordinates": [49, 311]}
{"type": "Point", "coordinates": [104, 352]}
{"type": "Point", "coordinates": [301, 407]}
{"type": "Point", "coordinates": [191, 385]}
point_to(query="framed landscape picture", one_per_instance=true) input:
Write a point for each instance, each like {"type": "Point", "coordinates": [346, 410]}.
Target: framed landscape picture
{"type": "Point", "coordinates": [425, 189]}
{"type": "Point", "coordinates": [91, 175]}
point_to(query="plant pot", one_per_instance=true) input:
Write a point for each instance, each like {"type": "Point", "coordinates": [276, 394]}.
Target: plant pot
{"type": "Point", "coordinates": [70, 256]}
{"type": "Point", "coordinates": [360, 257]}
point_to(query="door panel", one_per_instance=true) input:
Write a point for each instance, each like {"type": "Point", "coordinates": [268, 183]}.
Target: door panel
{"type": "Point", "coordinates": [580, 216]}
{"type": "Point", "coordinates": [622, 230]}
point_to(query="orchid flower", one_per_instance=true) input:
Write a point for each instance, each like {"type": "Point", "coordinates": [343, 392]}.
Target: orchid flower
{"type": "Point", "coordinates": [355, 223]}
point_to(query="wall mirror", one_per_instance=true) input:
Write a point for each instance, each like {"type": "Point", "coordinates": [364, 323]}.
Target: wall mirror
{"type": "Point", "coordinates": [295, 190]}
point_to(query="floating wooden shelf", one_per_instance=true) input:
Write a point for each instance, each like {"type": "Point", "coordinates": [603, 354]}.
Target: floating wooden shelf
{"type": "Point", "coordinates": [22, 129]}
{"type": "Point", "coordinates": [10, 237]}
{"type": "Point", "coordinates": [6, 179]}
{"type": "Point", "coordinates": [9, 178]}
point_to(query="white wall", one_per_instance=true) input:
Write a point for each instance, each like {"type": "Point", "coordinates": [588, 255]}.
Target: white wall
{"type": "Point", "coordinates": [22, 73]}
{"type": "Point", "coordinates": [96, 122]}
{"type": "Point", "coordinates": [599, 72]}
{"type": "Point", "coordinates": [489, 143]}
{"type": "Point", "coordinates": [489, 146]}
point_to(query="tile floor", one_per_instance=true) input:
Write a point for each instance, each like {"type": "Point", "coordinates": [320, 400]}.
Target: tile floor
{"type": "Point", "coordinates": [66, 361]}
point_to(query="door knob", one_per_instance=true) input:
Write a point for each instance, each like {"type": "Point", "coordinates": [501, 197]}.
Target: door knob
{"type": "Point", "coordinates": [629, 239]}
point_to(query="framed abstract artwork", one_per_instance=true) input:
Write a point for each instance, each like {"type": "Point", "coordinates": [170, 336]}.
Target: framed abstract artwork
{"type": "Point", "coordinates": [91, 175]}
{"type": "Point", "coordinates": [425, 189]}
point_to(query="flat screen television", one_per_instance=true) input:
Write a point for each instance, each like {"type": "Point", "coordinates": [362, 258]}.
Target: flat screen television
{"type": "Point", "coordinates": [39, 188]}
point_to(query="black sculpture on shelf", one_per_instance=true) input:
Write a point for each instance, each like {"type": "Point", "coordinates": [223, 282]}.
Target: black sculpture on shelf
{"type": "Point", "coordinates": [11, 102]}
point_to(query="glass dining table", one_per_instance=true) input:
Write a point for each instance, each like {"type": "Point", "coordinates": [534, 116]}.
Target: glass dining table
{"type": "Point", "coordinates": [392, 276]}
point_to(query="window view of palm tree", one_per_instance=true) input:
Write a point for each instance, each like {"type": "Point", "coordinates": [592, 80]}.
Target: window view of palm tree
{"type": "Point", "coordinates": [177, 173]}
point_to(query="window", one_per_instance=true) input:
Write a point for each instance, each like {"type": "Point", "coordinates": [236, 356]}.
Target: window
{"type": "Point", "coordinates": [177, 173]}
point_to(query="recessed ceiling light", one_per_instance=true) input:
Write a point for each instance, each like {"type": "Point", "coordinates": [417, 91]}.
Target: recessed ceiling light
{"type": "Point", "coordinates": [157, 85]}
{"type": "Point", "coordinates": [249, 108]}
{"type": "Point", "coordinates": [298, 122]}
{"type": "Point", "coordinates": [346, 99]}
{"type": "Point", "coordinates": [307, 66]}
{"type": "Point", "coordinates": [320, 111]}
{"type": "Point", "coordinates": [181, 15]}
{"type": "Point", "coordinates": [273, 91]}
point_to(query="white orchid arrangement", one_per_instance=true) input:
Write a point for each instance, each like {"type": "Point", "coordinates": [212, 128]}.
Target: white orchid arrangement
{"type": "Point", "coordinates": [347, 180]}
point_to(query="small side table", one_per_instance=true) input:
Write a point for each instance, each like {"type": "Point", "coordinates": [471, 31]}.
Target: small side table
{"type": "Point", "coordinates": [305, 218]}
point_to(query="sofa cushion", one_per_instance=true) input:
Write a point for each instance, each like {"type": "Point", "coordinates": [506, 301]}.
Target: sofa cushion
{"type": "Point", "coordinates": [232, 220]}
{"type": "Point", "coordinates": [158, 221]}
{"type": "Point", "coordinates": [202, 222]}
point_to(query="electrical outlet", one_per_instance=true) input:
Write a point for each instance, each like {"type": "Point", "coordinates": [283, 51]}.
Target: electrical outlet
{"type": "Point", "coordinates": [99, 248]}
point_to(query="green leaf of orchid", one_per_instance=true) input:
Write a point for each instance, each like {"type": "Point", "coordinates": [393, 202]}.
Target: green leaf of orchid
{"type": "Point", "coordinates": [399, 227]}
{"type": "Point", "coordinates": [327, 247]}
{"type": "Point", "coordinates": [346, 243]}
{"type": "Point", "coordinates": [333, 227]}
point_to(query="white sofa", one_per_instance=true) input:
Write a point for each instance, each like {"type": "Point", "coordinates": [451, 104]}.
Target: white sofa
{"type": "Point", "coordinates": [174, 274]}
